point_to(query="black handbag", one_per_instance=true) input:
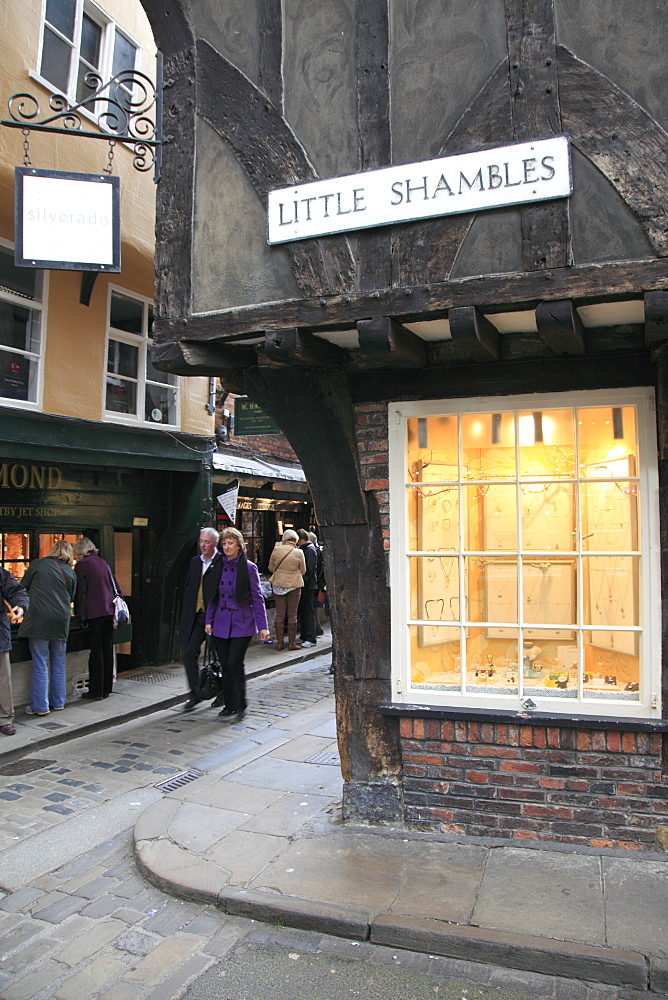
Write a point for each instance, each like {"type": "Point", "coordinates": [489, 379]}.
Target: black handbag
{"type": "Point", "coordinates": [211, 676]}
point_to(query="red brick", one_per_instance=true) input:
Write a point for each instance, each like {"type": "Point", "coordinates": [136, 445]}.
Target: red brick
{"type": "Point", "coordinates": [539, 736]}
{"type": "Point", "coordinates": [452, 828]}
{"type": "Point", "coordinates": [629, 788]}
{"type": "Point", "coordinates": [600, 842]}
{"type": "Point", "coordinates": [501, 735]}
{"type": "Point", "coordinates": [386, 544]}
{"type": "Point", "coordinates": [526, 736]}
{"type": "Point", "coordinates": [506, 752]}
{"type": "Point", "coordinates": [496, 778]}
{"type": "Point", "coordinates": [548, 812]}
{"type": "Point", "coordinates": [555, 783]}
{"type": "Point", "coordinates": [406, 728]}
{"type": "Point", "coordinates": [418, 729]}
{"type": "Point", "coordinates": [629, 845]}
{"type": "Point", "coordinates": [460, 732]}
{"type": "Point", "coordinates": [473, 732]}
{"type": "Point", "coordinates": [377, 484]}
{"type": "Point", "coordinates": [513, 736]}
{"type": "Point", "coordinates": [425, 758]}
{"type": "Point", "coordinates": [584, 741]}
{"type": "Point", "coordinates": [433, 729]}
{"type": "Point", "coordinates": [553, 737]}
{"type": "Point", "coordinates": [476, 777]}
{"type": "Point", "coordinates": [521, 767]}
{"type": "Point", "coordinates": [523, 835]}
{"type": "Point", "coordinates": [487, 732]}
{"type": "Point", "coordinates": [447, 730]}
{"type": "Point", "coordinates": [656, 744]}
{"type": "Point", "coordinates": [629, 742]}
{"type": "Point", "coordinates": [614, 741]}
{"type": "Point", "coordinates": [577, 785]}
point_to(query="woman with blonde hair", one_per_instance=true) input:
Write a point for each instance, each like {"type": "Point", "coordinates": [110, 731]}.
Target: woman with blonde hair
{"type": "Point", "coordinates": [287, 566]}
{"type": "Point", "coordinates": [51, 584]}
{"type": "Point", "coordinates": [233, 618]}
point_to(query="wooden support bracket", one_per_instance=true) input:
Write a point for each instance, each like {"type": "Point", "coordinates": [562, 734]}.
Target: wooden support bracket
{"type": "Point", "coordinates": [390, 344]}
{"type": "Point", "coordinates": [87, 284]}
{"type": "Point", "coordinates": [560, 327]}
{"type": "Point", "coordinates": [656, 317]}
{"type": "Point", "coordinates": [474, 333]}
{"type": "Point", "coordinates": [290, 347]}
{"type": "Point", "coordinates": [227, 361]}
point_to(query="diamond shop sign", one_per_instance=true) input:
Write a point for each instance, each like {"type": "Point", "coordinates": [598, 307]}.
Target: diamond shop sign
{"type": "Point", "coordinates": [516, 174]}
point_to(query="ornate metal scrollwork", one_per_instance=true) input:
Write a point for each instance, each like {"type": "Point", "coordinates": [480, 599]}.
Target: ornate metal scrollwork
{"type": "Point", "coordinates": [126, 108]}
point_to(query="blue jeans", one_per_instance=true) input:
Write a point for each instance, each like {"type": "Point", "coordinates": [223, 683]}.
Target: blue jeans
{"type": "Point", "coordinates": [48, 656]}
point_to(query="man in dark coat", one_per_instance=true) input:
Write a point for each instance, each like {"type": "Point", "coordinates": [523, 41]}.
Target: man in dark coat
{"type": "Point", "coordinates": [306, 609]}
{"type": "Point", "coordinates": [200, 589]}
{"type": "Point", "coordinates": [17, 598]}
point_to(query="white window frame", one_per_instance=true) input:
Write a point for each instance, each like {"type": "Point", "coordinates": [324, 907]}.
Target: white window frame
{"type": "Point", "coordinates": [40, 306]}
{"type": "Point", "coordinates": [109, 28]}
{"type": "Point", "coordinates": [650, 612]}
{"type": "Point", "coordinates": [143, 343]}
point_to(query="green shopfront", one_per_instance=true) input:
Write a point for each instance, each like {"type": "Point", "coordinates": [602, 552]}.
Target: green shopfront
{"type": "Point", "coordinates": [140, 496]}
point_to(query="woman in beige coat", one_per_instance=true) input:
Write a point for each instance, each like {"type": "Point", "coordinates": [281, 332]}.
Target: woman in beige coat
{"type": "Point", "coordinates": [287, 566]}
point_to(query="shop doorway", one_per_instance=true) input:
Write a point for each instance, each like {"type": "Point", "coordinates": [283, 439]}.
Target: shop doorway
{"type": "Point", "coordinates": [131, 567]}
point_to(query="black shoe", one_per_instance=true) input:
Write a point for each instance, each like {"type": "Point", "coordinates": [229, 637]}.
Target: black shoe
{"type": "Point", "coordinates": [92, 697]}
{"type": "Point", "coordinates": [218, 701]}
{"type": "Point", "coordinates": [226, 713]}
{"type": "Point", "coordinates": [190, 704]}
{"type": "Point", "coordinates": [233, 716]}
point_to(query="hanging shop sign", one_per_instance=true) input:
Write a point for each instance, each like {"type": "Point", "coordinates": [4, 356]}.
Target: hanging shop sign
{"type": "Point", "coordinates": [463, 182]}
{"type": "Point", "coordinates": [67, 221]}
{"type": "Point", "coordinates": [249, 418]}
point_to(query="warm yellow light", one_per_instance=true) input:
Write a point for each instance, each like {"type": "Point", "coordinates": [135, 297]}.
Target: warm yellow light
{"type": "Point", "coordinates": [476, 429]}
{"type": "Point", "coordinates": [527, 431]}
{"type": "Point", "coordinates": [548, 430]}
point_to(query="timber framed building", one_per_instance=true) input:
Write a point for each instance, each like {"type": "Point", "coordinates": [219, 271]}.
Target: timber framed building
{"type": "Point", "coordinates": [479, 400]}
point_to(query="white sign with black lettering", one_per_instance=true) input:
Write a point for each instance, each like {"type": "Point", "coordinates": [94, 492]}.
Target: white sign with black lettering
{"type": "Point", "coordinates": [463, 182]}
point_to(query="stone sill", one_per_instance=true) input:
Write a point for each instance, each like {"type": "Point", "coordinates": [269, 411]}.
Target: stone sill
{"type": "Point", "coordinates": [605, 723]}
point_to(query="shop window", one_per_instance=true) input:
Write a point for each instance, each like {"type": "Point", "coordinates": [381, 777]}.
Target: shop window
{"type": "Point", "coordinates": [47, 541]}
{"type": "Point", "coordinates": [135, 390]}
{"type": "Point", "coordinates": [77, 39]}
{"type": "Point", "coordinates": [21, 295]}
{"type": "Point", "coordinates": [15, 547]}
{"type": "Point", "coordinates": [524, 553]}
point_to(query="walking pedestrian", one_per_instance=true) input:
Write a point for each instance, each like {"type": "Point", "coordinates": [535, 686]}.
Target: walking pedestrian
{"type": "Point", "coordinates": [16, 601]}
{"type": "Point", "coordinates": [51, 584]}
{"type": "Point", "coordinates": [200, 589]}
{"type": "Point", "coordinates": [287, 566]}
{"type": "Point", "coordinates": [233, 618]}
{"type": "Point", "coordinates": [321, 587]}
{"type": "Point", "coordinates": [94, 604]}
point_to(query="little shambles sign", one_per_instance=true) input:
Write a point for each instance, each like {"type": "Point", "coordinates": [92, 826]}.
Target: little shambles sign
{"type": "Point", "coordinates": [463, 182]}
{"type": "Point", "coordinates": [66, 220]}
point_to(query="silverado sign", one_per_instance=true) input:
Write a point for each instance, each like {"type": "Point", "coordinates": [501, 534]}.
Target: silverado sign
{"type": "Point", "coordinates": [463, 182]}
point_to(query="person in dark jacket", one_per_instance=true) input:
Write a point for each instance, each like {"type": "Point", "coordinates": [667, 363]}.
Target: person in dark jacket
{"type": "Point", "coordinates": [233, 618]}
{"type": "Point", "coordinates": [306, 609]}
{"type": "Point", "coordinates": [94, 604]}
{"type": "Point", "coordinates": [17, 601]}
{"type": "Point", "coordinates": [200, 589]}
{"type": "Point", "coordinates": [51, 584]}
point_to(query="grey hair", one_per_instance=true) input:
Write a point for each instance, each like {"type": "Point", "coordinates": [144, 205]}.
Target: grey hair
{"type": "Point", "coordinates": [312, 537]}
{"type": "Point", "coordinates": [212, 532]}
{"type": "Point", "coordinates": [83, 547]}
{"type": "Point", "coordinates": [290, 536]}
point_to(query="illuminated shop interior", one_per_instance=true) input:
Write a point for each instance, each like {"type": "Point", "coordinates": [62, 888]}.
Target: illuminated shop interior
{"type": "Point", "coordinates": [524, 553]}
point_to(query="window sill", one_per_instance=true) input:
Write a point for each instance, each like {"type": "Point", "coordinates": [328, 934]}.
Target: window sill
{"type": "Point", "coordinates": [524, 719]}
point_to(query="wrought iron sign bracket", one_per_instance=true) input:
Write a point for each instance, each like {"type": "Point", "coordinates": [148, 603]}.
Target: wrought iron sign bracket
{"type": "Point", "coordinates": [127, 108]}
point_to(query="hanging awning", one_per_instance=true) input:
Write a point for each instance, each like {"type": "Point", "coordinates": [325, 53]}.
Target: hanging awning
{"type": "Point", "coordinates": [252, 465]}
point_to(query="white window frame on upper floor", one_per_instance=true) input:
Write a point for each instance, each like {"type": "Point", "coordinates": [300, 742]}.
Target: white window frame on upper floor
{"type": "Point", "coordinates": [142, 343]}
{"type": "Point", "coordinates": [38, 305]}
{"type": "Point", "coordinates": [109, 28]}
{"type": "Point", "coordinates": [407, 692]}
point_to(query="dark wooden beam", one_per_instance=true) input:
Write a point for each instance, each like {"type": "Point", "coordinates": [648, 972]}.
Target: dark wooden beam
{"type": "Point", "coordinates": [656, 317]}
{"type": "Point", "coordinates": [290, 347]}
{"type": "Point", "coordinates": [271, 51]}
{"type": "Point", "coordinates": [602, 282]}
{"type": "Point", "coordinates": [474, 333]}
{"type": "Point", "coordinates": [560, 327]}
{"type": "Point", "coordinates": [224, 360]}
{"type": "Point", "coordinates": [534, 97]}
{"type": "Point", "coordinates": [389, 344]}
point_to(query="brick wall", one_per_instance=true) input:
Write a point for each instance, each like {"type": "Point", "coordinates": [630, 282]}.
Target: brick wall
{"type": "Point", "coordinates": [535, 782]}
{"type": "Point", "coordinates": [371, 437]}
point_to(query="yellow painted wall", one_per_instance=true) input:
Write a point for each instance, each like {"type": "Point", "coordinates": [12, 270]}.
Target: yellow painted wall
{"type": "Point", "coordinates": [74, 359]}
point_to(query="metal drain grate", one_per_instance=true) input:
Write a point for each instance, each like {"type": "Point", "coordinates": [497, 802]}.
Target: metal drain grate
{"type": "Point", "coordinates": [178, 780]}
{"type": "Point", "coordinates": [325, 757]}
{"type": "Point", "coordinates": [152, 677]}
{"type": "Point", "coordinates": [25, 766]}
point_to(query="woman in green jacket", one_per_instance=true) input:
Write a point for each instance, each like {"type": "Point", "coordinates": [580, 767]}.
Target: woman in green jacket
{"type": "Point", "coordinates": [51, 584]}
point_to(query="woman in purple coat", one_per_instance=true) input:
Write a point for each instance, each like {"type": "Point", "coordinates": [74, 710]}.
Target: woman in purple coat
{"type": "Point", "coordinates": [234, 618]}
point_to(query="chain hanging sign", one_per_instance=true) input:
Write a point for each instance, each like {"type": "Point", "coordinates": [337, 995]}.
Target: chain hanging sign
{"type": "Point", "coordinates": [516, 174]}
{"type": "Point", "coordinates": [67, 220]}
